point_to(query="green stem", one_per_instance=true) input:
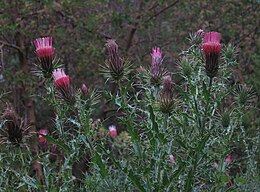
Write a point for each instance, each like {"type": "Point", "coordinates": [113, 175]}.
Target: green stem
{"type": "Point", "coordinates": [207, 105]}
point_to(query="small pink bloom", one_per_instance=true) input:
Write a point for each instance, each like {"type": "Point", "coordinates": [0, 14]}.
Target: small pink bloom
{"type": "Point", "coordinates": [61, 80]}
{"type": "Point", "coordinates": [156, 54]}
{"type": "Point", "coordinates": [211, 43]}
{"type": "Point", "coordinates": [172, 159]}
{"type": "Point", "coordinates": [112, 131]}
{"type": "Point", "coordinates": [44, 47]}
{"type": "Point", "coordinates": [156, 70]}
{"type": "Point", "coordinates": [41, 132]}
{"type": "Point", "coordinates": [228, 159]}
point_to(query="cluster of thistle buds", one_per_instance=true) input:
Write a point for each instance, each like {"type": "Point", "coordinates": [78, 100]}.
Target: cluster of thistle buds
{"type": "Point", "coordinates": [45, 55]}
{"type": "Point", "coordinates": [158, 75]}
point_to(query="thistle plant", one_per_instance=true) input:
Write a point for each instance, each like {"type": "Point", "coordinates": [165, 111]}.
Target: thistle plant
{"type": "Point", "coordinates": [165, 136]}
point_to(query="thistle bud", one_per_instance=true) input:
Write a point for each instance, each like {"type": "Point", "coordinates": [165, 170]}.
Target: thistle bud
{"type": "Point", "coordinates": [166, 99]}
{"type": "Point", "coordinates": [62, 84]}
{"type": "Point", "coordinates": [112, 131]}
{"type": "Point", "coordinates": [156, 69]}
{"type": "Point", "coordinates": [115, 63]}
{"type": "Point", "coordinates": [200, 33]}
{"type": "Point", "coordinates": [45, 54]}
{"type": "Point", "coordinates": [211, 48]}
{"type": "Point", "coordinates": [13, 124]}
{"type": "Point", "coordinates": [84, 89]}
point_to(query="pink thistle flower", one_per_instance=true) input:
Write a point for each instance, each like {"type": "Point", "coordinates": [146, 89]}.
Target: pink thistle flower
{"type": "Point", "coordinates": [41, 132]}
{"type": "Point", "coordinates": [156, 70]}
{"type": "Point", "coordinates": [172, 159]}
{"type": "Point", "coordinates": [44, 47]}
{"type": "Point", "coordinates": [45, 54]}
{"type": "Point", "coordinates": [62, 83]}
{"type": "Point", "coordinates": [43, 144]}
{"type": "Point", "coordinates": [228, 159]}
{"type": "Point", "coordinates": [112, 131]}
{"type": "Point", "coordinates": [211, 47]}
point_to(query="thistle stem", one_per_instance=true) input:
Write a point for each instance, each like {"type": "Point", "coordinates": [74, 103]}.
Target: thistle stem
{"type": "Point", "coordinates": [207, 104]}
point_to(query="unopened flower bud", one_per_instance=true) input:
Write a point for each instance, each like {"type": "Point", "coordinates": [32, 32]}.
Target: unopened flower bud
{"type": "Point", "coordinates": [84, 89]}
{"type": "Point", "coordinates": [13, 125]}
{"type": "Point", "coordinates": [115, 63]}
{"type": "Point", "coordinates": [112, 131]}
{"type": "Point", "coordinates": [166, 98]}
{"type": "Point", "coordinates": [200, 33]}
{"type": "Point", "coordinates": [211, 47]}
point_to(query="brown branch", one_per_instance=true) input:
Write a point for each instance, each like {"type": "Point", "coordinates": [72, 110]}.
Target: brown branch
{"type": "Point", "coordinates": [161, 11]}
{"type": "Point", "coordinates": [11, 45]}
{"type": "Point", "coordinates": [134, 28]}
{"type": "Point", "coordinates": [137, 23]}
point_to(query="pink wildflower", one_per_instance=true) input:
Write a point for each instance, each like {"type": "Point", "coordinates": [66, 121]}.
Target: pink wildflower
{"type": "Point", "coordinates": [44, 47]}
{"type": "Point", "coordinates": [172, 159]}
{"type": "Point", "coordinates": [41, 132]}
{"type": "Point", "coordinates": [211, 47]}
{"type": "Point", "coordinates": [112, 131]}
{"type": "Point", "coordinates": [156, 70]}
{"type": "Point", "coordinates": [62, 83]}
{"type": "Point", "coordinates": [228, 159]}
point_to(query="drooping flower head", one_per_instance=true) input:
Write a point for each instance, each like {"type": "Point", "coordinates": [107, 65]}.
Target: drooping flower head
{"type": "Point", "coordinates": [115, 63]}
{"type": "Point", "coordinates": [45, 54]}
{"type": "Point", "coordinates": [112, 131]}
{"type": "Point", "coordinates": [156, 69]}
{"type": "Point", "coordinates": [211, 48]}
{"type": "Point", "coordinates": [166, 99]}
{"type": "Point", "coordinates": [62, 83]}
